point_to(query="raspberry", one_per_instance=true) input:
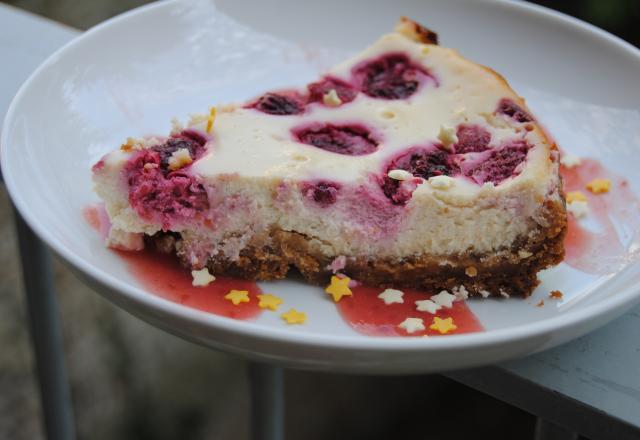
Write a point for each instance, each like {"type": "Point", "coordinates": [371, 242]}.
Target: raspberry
{"type": "Point", "coordinates": [419, 162]}
{"type": "Point", "coordinates": [513, 110]}
{"type": "Point", "coordinates": [500, 165]}
{"type": "Point", "coordinates": [391, 77]}
{"type": "Point", "coordinates": [345, 91]}
{"type": "Point", "coordinates": [324, 193]}
{"type": "Point", "coordinates": [472, 139]}
{"type": "Point", "coordinates": [276, 104]}
{"type": "Point", "coordinates": [161, 197]}
{"type": "Point", "coordinates": [351, 140]}
{"type": "Point", "coordinates": [173, 144]}
{"type": "Point", "coordinates": [194, 135]}
{"type": "Point", "coordinates": [425, 164]}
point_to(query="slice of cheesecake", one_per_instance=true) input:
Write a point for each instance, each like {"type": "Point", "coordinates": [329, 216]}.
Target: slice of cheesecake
{"type": "Point", "coordinates": [406, 165]}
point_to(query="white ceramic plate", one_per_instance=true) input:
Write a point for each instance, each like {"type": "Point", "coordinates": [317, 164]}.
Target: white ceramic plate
{"type": "Point", "coordinates": [131, 75]}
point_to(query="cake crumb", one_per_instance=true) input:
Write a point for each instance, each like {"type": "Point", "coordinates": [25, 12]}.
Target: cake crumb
{"type": "Point", "coordinates": [124, 241]}
{"type": "Point", "coordinates": [570, 160]}
{"type": "Point", "coordinates": [179, 159]}
{"type": "Point", "coordinates": [390, 296]}
{"type": "Point", "coordinates": [555, 294]}
{"type": "Point", "coordinates": [578, 209]}
{"type": "Point", "coordinates": [237, 296]}
{"type": "Point", "coordinates": [485, 293]}
{"type": "Point", "coordinates": [540, 304]}
{"type": "Point", "coordinates": [443, 326]}
{"type": "Point", "coordinates": [176, 126]}
{"type": "Point", "coordinates": [444, 299]}
{"type": "Point", "coordinates": [292, 316]}
{"type": "Point", "coordinates": [269, 301]}
{"type": "Point", "coordinates": [197, 119]}
{"type": "Point", "coordinates": [337, 264]}
{"type": "Point", "coordinates": [412, 325]}
{"type": "Point", "coordinates": [202, 277]}
{"type": "Point", "coordinates": [573, 196]}
{"type": "Point", "coordinates": [441, 182]}
{"type": "Point", "coordinates": [599, 186]}
{"type": "Point", "coordinates": [426, 305]}
{"type": "Point", "coordinates": [331, 99]}
{"type": "Point", "coordinates": [471, 271]}
{"type": "Point", "coordinates": [133, 144]}
{"type": "Point", "coordinates": [400, 174]}
{"type": "Point", "coordinates": [461, 293]}
{"type": "Point", "coordinates": [448, 137]}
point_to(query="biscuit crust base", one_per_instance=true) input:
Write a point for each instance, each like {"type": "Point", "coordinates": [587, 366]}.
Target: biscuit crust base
{"type": "Point", "coordinates": [509, 272]}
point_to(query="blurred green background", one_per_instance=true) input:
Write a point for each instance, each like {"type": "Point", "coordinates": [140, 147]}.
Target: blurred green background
{"type": "Point", "coordinates": [131, 381]}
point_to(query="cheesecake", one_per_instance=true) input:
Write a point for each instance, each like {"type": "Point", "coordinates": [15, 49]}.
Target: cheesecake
{"type": "Point", "coordinates": [406, 165]}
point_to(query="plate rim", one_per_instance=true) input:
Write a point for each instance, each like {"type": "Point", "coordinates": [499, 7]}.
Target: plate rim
{"type": "Point", "coordinates": [283, 335]}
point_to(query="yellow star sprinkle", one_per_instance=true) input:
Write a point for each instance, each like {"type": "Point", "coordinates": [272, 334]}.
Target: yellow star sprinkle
{"type": "Point", "coordinates": [269, 301]}
{"type": "Point", "coordinates": [444, 326]}
{"type": "Point", "coordinates": [294, 317]}
{"type": "Point", "coordinates": [338, 288]}
{"type": "Point", "coordinates": [237, 296]}
{"type": "Point", "coordinates": [598, 186]}
{"type": "Point", "coordinates": [211, 119]}
{"type": "Point", "coordinates": [576, 196]}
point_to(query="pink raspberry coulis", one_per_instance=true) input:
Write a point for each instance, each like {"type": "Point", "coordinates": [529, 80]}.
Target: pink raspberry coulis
{"type": "Point", "coordinates": [160, 195]}
{"type": "Point", "coordinates": [347, 139]}
{"type": "Point", "coordinates": [513, 110]}
{"type": "Point", "coordinates": [500, 164]}
{"type": "Point", "coordinates": [345, 91]}
{"type": "Point", "coordinates": [391, 76]}
{"type": "Point", "coordinates": [472, 139]}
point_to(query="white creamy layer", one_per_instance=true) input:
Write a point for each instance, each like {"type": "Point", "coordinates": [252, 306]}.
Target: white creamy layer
{"type": "Point", "coordinates": [255, 144]}
{"type": "Point", "coordinates": [254, 161]}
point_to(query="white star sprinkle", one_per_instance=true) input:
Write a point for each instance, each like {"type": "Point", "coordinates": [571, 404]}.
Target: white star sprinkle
{"type": "Point", "coordinates": [426, 305]}
{"type": "Point", "coordinates": [444, 298]}
{"type": "Point", "coordinates": [578, 208]}
{"type": "Point", "coordinates": [460, 292]}
{"type": "Point", "coordinates": [570, 160]}
{"type": "Point", "coordinates": [412, 325]}
{"type": "Point", "coordinates": [390, 296]}
{"type": "Point", "coordinates": [202, 277]}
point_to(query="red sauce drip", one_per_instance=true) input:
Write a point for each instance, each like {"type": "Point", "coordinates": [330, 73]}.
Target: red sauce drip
{"type": "Point", "coordinates": [600, 250]}
{"type": "Point", "coordinates": [161, 275]}
{"type": "Point", "coordinates": [369, 315]}
{"type": "Point", "coordinates": [92, 217]}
